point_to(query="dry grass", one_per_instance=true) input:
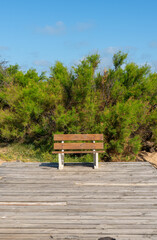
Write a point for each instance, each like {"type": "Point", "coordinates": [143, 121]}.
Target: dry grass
{"type": "Point", "coordinates": [27, 153]}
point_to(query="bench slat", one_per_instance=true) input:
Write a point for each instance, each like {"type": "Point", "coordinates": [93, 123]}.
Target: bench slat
{"type": "Point", "coordinates": [78, 137]}
{"type": "Point", "coordinates": [98, 145]}
{"type": "Point", "coordinates": [72, 152]}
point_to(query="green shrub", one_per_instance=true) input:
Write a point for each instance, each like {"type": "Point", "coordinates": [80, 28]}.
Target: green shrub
{"type": "Point", "coordinates": [121, 104]}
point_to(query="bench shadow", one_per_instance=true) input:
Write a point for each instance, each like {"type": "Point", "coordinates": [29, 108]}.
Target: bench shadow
{"type": "Point", "coordinates": [85, 164]}
{"type": "Point", "coordinates": [51, 165]}
{"type": "Point", "coordinates": [55, 165]}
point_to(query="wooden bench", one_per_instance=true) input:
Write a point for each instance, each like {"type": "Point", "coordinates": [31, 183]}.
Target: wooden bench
{"type": "Point", "coordinates": [78, 143]}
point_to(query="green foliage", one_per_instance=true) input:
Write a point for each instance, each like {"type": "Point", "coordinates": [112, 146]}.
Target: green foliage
{"type": "Point", "coordinates": [121, 104]}
{"type": "Point", "coordinates": [121, 122]}
{"type": "Point", "coordinates": [118, 59]}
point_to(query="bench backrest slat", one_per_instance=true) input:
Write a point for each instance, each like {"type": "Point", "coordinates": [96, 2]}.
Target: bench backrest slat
{"type": "Point", "coordinates": [98, 145]}
{"type": "Point", "coordinates": [78, 137]}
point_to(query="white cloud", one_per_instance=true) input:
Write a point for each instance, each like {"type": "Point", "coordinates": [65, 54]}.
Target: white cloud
{"type": "Point", "coordinates": [81, 44]}
{"type": "Point", "coordinates": [106, 63]}
{"type": "Point", "coordinates": [146, 56]}
{"type": "Point", "coordinates": [42, 63]}
{"type": "Point", "coordinates": [83, 26]}
{"type": "Point", "coordinates": [34, 54]}
{"type": "Point", "coordinates": [4, 48]}
{"type": "Point", "coordinates": [58, 29]}
{"type": "Point", "coordinates": [154, 65]}
{"type": "Point", "coordinates": [107, 55]}
{"type": "Point", "coordinates": [111, 50]}
{"type": "Point", "coordinates": [153, 44]}
{"type": "Point", "coordinates": [76, 45]}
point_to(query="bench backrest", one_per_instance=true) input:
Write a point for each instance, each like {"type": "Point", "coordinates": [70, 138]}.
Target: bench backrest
{"type": "Point", "coordinates": [74, 141]}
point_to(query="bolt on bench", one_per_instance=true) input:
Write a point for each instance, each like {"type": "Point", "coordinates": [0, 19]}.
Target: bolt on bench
{"type": "Point", "coordinates": [78, 143]}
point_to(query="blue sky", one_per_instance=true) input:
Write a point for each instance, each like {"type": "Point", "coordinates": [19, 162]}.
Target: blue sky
{"type": "Point", "coordinates": [36, 33]}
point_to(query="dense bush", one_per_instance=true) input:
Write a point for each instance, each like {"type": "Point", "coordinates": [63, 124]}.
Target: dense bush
{"type": "Point", "coordinates": [121, 104]}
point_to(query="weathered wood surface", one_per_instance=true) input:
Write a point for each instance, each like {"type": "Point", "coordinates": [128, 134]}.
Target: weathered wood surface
{"type": "Point", "coordinates": [84, 151]}
{"type": "Point", "coordinates": [98, 145]}
{"type": "Point", "coordinates": [78, 137]}
{"type": "Point", "coordinates": [38, 202]}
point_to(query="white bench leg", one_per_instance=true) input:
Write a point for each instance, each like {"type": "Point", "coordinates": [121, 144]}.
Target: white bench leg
{"type": "Point", "coordinates": [60, 161]}
{"type": "Point", "coordinates": [95, 158]}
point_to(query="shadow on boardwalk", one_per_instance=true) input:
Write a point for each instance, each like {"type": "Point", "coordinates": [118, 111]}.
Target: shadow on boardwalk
{"type": "Point", "coordinates": [55, 165]}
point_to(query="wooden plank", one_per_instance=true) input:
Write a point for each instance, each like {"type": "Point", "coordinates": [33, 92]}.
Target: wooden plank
{"type": "Point", "coordinates": [110, 214]}
{"type": "Point", "coordinates": [105, 166]}
{"type": "Point", "coordinates": [128, 182]}
{"type": "Point", "coordinates": [101, 176]}
{"type": "Point", "coordinates": [58, 178]}
{"type": "Point", "coordinates": [145, 178]}
{"type": "Point", "coordinates": [35, 203]}
{"type": "Point", "coordinates": [116, 184]}
{"type": "Point", "coordinates": [52, 200]}
{"type": "Point", "coordinates": [82, 188]}
{"type": "Point", "coordinates": [125, 165]}
{"type": "Point", "coordinates": [63, 217]}
{"type": "Point", "coordinates": [72, 152]}
{"type": "Point", "coordinates": [97, 145]}
{"type": "Point", "coordinates": [45, 167]}
{"type": "Point", "coordinates": [39, 202]}
{"type": "Point", "coordinates": [47, 236]}
{"type": "Point", "coordinates": [83, 208]}
{"type": "Point", "coordinates": [47, 196]}
{"type": "Point", "coordinates": [88, 221]}
{"type": "Point", "coordinates": [71, 226]}
{"type": "Point", "coordinates": [49, 172]}
{"type": "Point", "coordinates": [78, 232]}
{"type": "Point", "coordinates": [78, 137]}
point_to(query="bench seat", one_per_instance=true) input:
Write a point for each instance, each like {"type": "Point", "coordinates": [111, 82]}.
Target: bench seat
{"type": "Point", "coordinates": [72, 152]}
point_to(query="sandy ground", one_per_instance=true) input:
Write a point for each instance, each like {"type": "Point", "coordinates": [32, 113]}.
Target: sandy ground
{"type": "Point", "coordinates": [149, 157]}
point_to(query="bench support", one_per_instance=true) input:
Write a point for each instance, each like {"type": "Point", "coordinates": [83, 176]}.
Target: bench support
{"type": "Point", "coordinates": [95, 159]}
{"type": "Point", "coordinates": [60, 161]}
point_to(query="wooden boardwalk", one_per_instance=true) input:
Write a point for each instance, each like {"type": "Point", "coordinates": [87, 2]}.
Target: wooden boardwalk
{"type": "Point", "coordinates": [39, 202]}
